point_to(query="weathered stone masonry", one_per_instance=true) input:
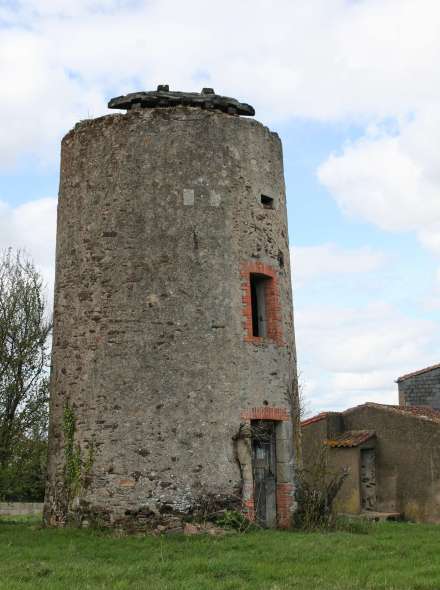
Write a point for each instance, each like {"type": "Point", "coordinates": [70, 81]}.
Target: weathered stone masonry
{"type": "Point", "coordinates": [164, 213]}
{"type": "Point", "coordinates": [420, 388]}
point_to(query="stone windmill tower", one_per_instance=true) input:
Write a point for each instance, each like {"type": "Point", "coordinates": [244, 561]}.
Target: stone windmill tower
{"type": "Point", "coordinates": [173, 346]}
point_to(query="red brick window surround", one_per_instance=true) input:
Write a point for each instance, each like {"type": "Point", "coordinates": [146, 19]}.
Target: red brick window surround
{"type": "Point", "coordinates": [259, 284]}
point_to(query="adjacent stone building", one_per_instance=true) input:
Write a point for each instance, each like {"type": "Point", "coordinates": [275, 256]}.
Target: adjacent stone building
{"type": "Point", "coordinates": [420, 388]}
{"type": "Point", "coordinates": [393, 457]}
{"type": "Point", "coordinates": [173, 365]}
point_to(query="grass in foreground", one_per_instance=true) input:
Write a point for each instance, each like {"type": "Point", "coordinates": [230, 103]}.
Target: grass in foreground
{"type": "Point", "coordinates": [393, 556]}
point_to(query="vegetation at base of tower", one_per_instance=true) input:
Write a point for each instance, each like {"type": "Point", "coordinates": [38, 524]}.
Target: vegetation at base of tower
{"type": "Point", "coordinates": [237, 521]}
{"type": "Point", "coordinates": [76, 468]}
{"type": "Point", "coordinates": [316, 490]}
{"type": "Point", "coordinates": [392, 556]}
{"type": "Point", "coordinates": [24, 360]}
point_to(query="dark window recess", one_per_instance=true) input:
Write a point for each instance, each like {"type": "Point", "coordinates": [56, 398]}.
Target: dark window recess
{"type": "Point", "coordinates": [258, 303]}
{"type": "Point", "coordinates": [267, 202]}
{"type": "Point", "coordinates": [280, 259]}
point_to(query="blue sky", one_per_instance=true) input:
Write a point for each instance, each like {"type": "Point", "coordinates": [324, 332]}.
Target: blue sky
{"type": "Point", "coordinates": [353, 90]}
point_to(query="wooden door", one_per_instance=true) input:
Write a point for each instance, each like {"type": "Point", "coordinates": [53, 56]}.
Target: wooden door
{"type": "Point", "coordinates": [264, 469]}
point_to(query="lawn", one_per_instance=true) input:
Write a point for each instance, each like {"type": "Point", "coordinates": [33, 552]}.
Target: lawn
{"type": "Point", "coordinates": [394, 556]}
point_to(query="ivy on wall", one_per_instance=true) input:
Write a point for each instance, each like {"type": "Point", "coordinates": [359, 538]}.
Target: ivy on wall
{"type": "Point", "coordinates": [78, 465]}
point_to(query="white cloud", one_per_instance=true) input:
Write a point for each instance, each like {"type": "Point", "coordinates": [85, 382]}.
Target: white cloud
{"type": "Point", "coordinates": [371, 61]}
{"type": "Point", "coordinates": [392, 181]}
{"type": "Point", "coordinates": [31, 227]}
{"type": "Point", "coordinates": [363, 339]}
{"type": "Point", "coordinates": [352, 355]}
{"type": "Point", "coordinates": [310, 262]}
{"type": "Point", "coordinates": [432, 300]}
{"type": "Point", "coordinates": [323, 59]}
{"type": "Point", "coordinates": [40, 100]}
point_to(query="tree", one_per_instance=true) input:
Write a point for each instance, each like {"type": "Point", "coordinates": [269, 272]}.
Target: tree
{"type": "Point", "coordinates": [24, 359]}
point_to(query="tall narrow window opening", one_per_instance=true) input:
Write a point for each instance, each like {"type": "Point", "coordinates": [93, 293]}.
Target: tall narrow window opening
{"type": "Point", "coordinates": [261, 303]}
{"type": "Point", "coordinates": [258, 303]}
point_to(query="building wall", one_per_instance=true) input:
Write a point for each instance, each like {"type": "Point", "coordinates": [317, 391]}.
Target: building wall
{"type": "Point", "coordinates": [159, 218]}
{"type": "Point", "coordinates": [21, 508]}
{"type": "Point", "coordinates": [348, 500]}
{"type": "Point", "coordinates": [313, 442]}
{"type": "Point", "coordinates": [407, 461]}
{"type": "Point", "coordinates": [313, 437]}
{"type": "Point", "coordinates": [421, 390]}
{"type": "Point", "coordinates": [316, 433]}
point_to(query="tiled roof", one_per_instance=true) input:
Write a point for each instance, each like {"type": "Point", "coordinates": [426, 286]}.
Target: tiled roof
{"type": "Point", "coordinates": [423, 412]}
{"type": "Point", "coordinates": [316, 418]}
{"type": "Point", "coordinates": [419, 372]}
{"type": "Point", "coordinates": [417, 411]}
{"type": "Point", "coordinates": [420, 412]}
{"type": "Point", "coordinates": [350, 438]}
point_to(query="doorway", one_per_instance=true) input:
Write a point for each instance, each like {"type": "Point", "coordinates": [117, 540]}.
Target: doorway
{"type": "Point", "coordinates": [368, 479]}
{"type": "Point", "coordinates": [264, 472]}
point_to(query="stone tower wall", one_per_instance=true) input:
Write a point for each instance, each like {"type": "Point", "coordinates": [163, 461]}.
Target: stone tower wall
{"type": "Point", "coordinates": [160, 222]}
{"type": "Point", "coordinates": [421, 389]}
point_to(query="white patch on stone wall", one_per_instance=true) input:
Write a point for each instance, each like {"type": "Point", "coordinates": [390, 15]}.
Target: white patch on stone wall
{"type": "Point", "coordinates": [188, 197]}
{"type": "Point", "coordinates": [214, 199]}
{"type": "Point", "coordinates": [152, 300]}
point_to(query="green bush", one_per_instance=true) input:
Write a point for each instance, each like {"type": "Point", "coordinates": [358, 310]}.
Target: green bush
{"type": "Point", "coordinates": [22, 479]}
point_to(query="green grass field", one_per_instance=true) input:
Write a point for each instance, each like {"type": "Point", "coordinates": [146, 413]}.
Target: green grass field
{"type": "Point", "coordinates": [391, 556]}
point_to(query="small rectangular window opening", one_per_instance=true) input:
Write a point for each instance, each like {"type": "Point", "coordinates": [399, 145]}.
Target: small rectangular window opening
{"type": "Point", "coordinates": [267, 202]}
{"type": "Point", "coordinates": [258, 304]}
